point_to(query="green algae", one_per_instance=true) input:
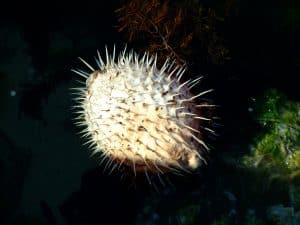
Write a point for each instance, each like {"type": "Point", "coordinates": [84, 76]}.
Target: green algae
{"type": "Point", "coordinates": [277, 147]}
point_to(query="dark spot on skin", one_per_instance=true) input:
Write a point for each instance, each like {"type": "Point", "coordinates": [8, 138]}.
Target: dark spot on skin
{"type": "Point", "coordinates": [118, 73]}
{"type": "Point", "coordinates": [141, 128]}
{"type": "Point", "coordinates": [131, 129]}
{"type": "Point", "coordinates": [164, 93]}
{"type": "Point", "coordinates": [144, 104]}
{"type": "Point", "coordinates": [156, 108]}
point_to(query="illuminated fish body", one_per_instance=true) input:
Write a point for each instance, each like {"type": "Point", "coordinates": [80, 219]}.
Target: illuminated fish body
{"type": "Point", "coordinates": [137, 115]}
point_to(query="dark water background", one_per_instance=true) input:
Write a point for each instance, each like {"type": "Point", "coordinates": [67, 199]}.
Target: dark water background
{"type": "Point", "coordinates": [46, 174]}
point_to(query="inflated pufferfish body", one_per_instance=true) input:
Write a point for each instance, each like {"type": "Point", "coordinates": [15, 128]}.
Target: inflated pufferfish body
{"type": "Point", "coordinates": [140, 116]}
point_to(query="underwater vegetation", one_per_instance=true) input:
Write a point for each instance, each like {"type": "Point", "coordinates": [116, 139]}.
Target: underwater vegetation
{"type": "Point", "coordinates": [277, 148]}
{"type": "Point", "coordinates": [174, 29]}
{"type": "Point", "coordinates": [268, 174]}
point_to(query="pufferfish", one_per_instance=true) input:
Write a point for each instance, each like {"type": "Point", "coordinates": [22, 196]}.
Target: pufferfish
{"type": "Point", "coordinates": [140, 116]}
